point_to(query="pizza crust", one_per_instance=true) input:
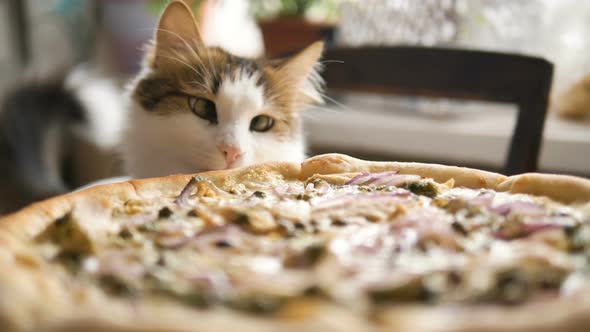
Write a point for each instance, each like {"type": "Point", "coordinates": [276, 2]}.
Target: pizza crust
{"type": "Point", "coordinates": [338, 163]}
{"type": "Point", "coordinates": [32, 220]}
{"type": "Point", "coordinates": [562, 188]}
{"type": "Point", "coordinates": [164, 318]}
{"type": "Point", "coordinates": [535, 317]}
{"type": "Point", "coordinates": [23, 282]}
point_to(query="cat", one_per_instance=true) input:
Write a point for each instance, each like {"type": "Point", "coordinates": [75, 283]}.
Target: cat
{"type": "Point", "coordinates": [195, 108]}
{"type": "Point", "coordinates": [191, 109]}
{"type": "Point", "coordinates": [57, 133]}
{"type": "Point", "coordinates": [35, 122]}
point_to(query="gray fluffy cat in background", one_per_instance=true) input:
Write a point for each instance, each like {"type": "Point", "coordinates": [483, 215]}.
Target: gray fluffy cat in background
{"type": "Point", "coordinates": [57, 134]}
{"type": "Point", "coordinates": [191, 109]}
{"type": "Point", "coordinates": [35, 122]}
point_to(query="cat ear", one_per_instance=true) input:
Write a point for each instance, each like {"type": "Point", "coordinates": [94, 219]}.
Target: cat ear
{"type": "Point", "coordinates": [189, 3]}
{"type": "Point", "coordinates": [177, 29]}
{"type": "Point", "coordinates": [301, 71]}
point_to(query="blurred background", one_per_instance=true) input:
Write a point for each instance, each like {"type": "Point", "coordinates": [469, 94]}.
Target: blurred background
{"type": "Point", "coordinates": [98, 43]}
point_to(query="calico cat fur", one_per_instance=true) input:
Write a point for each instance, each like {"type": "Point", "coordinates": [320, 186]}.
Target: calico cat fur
{"type": "Point", "coordinates": [165, 134]}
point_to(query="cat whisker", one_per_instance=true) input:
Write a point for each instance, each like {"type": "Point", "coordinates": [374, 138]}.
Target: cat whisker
{"type": "Point", "coordinates": [200, 85]}
{"type": "Point", "coordinates": [198, 57]}
{"type": "Point", "coordinates": [272, 99]}
{"type": "Point", "coordinates": [321, 108]}
{"type": "Point", "coordinates": [334, 101]}
{"type": "Point", "coordinates": [182, 62]}
{"type": "Point", "coordinates": [202, 73]}
{"type": "Point", "coordinates": [213, 72]}
{"type": "Point", "coordinates": [330, 61]}
{"type": "Point", "coordinates": [209, 73]}
{"type": "Point", "coordinates": [200, 62]}
{"type": "Point", "coordinates": [186, 43]}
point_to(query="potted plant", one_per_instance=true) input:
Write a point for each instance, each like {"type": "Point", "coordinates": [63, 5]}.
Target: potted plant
{"type": "Point", "coordinates": [288, 25]}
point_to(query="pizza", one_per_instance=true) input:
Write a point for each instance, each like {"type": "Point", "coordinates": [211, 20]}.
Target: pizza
{"type": "Point", "coordinates": [332, 244]}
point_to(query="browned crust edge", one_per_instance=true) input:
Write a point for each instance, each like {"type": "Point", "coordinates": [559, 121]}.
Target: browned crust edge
{"type": "Point", "coordinates": [563, 188]}
{"type": "Point", "coordinates": [339, 163]}
{"type": "Point", "coordinates": [33, 219]}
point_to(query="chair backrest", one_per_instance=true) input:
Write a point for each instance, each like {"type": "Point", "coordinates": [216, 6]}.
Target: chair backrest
{"type": "Point", "coordinates": [455, 73]}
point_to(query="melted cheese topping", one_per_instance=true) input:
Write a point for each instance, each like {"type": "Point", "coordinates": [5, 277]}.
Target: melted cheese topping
{"type": "Point", "coordinates": [369, 238]}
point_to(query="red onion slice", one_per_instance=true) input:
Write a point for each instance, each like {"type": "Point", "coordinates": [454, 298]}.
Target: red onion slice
{"type": "Point", "coordinates": [368, 178]}
{"type": "Point", "coordinates": [280, 190]}
{"type": "Point", "coordinates": [391, 178]}
{"type": "Point", "coordinates": [396, 180]}
{"type": "Point", "coordinates": [183, 199]}
{"type": "Point", "coordinates": [323, 188]}
{"type": "Point", "coordinates": [216, 281]}
{"type": "Point", "coordinates": [520, 207]}
{"type": "Point", "coordinates": [361, 178]}
{"type": "Point", "coordinates": [482, 199]}
{"type": "Point", "coordinates": [286, 189]}
{"type": "Point", "coordinates": [526, 231]}
{"type": "Point", "coordinates": [428, 223]}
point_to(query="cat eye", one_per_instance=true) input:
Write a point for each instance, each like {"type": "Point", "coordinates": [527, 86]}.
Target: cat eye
{"type": "Point", "coordinates": [261, 123]}
{"type": "Point", "coordinates": [203, 108]}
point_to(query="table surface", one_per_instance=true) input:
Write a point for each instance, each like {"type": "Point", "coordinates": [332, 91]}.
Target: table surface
{"type": "Point", "coordinates": [477, 135]}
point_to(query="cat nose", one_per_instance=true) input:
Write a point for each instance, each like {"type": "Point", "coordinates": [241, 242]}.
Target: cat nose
{"type": "Point", "coordinates": [230, 152]}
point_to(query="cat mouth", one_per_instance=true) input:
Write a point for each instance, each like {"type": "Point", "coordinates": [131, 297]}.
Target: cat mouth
{"type": "Point", "coordinates": [232, 164]}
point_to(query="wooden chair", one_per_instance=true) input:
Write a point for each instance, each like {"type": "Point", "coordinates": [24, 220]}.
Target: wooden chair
{"type": "Point", "coordinates": [455, 73]}
{"type": "Point", "coordinates": [19, 30]}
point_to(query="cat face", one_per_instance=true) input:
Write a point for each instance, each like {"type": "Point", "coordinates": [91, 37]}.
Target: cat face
{"type": "Point", "coordinates": [197, 109]}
